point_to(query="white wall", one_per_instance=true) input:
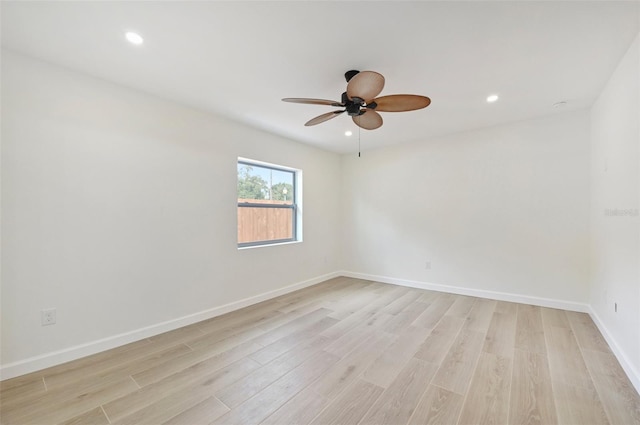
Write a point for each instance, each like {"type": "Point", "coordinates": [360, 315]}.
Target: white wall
{"type": "Point", "coordinates": [503, 209]}
{"type": "Point", "coordinates": [120, 211]}
{"type": "Point", "coordinates": [615, 181]}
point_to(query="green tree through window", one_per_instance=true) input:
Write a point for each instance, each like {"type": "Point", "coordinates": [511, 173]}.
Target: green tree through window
{"type": "Point", "coordinates": [282, 192]}
{"type": "Point", "coordinates": [250, 186]}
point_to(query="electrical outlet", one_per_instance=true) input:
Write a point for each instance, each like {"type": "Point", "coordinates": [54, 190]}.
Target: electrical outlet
{"type": "Point", "coordinates": [48, 317]}
{"type": "Point", "coordinates": [427, 265]}
{"type": "Point", "coordinates": [615, 307]}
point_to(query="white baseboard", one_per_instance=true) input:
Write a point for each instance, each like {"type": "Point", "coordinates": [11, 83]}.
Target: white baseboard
{"type": "Point", "coordinates": [623, 359]}
{"type": "Point", "coordinates": [480, 293]}
{"type": "Point", "coordinates": [43, 361]}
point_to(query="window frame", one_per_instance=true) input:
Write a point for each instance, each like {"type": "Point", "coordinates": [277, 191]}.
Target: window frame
{"type": "Point", "coordinates": [295, 206]}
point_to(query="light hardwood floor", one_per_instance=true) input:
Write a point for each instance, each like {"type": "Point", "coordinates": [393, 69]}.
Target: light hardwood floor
{"type": "Point", "coordinates": [346, 351]}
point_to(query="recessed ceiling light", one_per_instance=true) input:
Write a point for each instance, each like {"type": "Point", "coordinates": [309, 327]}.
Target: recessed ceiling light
{"type": "Point", "coordinates": [348, 133]}
{"type": "Point", "coordinates": [134, 38]}
{"type": "Point", "coordinates": [492, 98]}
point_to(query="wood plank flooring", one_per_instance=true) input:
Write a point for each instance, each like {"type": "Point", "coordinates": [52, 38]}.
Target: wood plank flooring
{"type": "Point", "coordinates": [346, 351]}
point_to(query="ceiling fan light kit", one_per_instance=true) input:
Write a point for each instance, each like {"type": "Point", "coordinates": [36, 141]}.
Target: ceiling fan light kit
{"type": "Point", "coordinates": [361, 103]}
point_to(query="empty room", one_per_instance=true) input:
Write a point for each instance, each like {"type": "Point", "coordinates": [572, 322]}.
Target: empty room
{"type": "Point", "coordinates": [320, 212]}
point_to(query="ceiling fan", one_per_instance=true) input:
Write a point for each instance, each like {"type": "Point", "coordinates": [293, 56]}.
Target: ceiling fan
{"type": "Point", "coordinates": [361, 103]}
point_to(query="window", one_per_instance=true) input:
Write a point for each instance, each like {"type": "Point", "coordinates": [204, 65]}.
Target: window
{"type": "Point", "coordinates": [268, 203]}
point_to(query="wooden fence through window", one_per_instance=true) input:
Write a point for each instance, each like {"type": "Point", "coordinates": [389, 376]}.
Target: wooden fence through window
{"type": "Point", "coordinates": [264, 223]}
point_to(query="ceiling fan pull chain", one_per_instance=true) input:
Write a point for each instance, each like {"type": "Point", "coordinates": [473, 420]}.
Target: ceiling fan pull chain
{"type": "Point", "coordinates": [359, 129]}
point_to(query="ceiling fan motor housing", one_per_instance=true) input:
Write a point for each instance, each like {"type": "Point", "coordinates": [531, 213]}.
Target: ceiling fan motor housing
{"type": "Point", "coordinates": [352, 106]}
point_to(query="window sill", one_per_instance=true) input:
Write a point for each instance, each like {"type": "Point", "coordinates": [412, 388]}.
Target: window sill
{"type": "Point", "coordinates": [242, 248]}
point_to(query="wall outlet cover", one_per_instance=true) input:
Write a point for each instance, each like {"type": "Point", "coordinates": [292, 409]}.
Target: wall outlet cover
{"type": "Point", "coordinates": [48, 317]}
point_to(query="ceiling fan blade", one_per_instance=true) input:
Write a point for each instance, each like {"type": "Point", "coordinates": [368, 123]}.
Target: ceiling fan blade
{"type": "Point", "coordinates": [401, 102]}
{"type": "Point", "coordinates": [366, 85]}
{"type": "Point", "coordinates": [312, 101]}
{"type": "Point", "coordinates": [323, 118]}
{"type": "Point", "coordinates": [370, 120]}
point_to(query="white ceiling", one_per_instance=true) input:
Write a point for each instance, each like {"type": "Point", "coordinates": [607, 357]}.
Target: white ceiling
{"type": "Point", "coordinates": [239, 59]}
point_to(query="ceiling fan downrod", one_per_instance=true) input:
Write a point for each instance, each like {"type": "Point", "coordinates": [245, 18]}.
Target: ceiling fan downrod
{"type": "Point", "coordinates": [350, 74]}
